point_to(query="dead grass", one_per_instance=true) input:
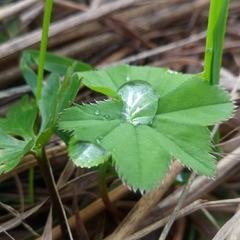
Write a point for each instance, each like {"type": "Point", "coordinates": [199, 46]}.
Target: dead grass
{"type": "Point", "coordinates": [102, 33]}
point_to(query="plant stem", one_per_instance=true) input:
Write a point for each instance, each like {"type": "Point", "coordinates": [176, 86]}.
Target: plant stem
{"type": "Point", "coordinates": [43, 47]}
{"type": "Point", "coordinates": [31, 185]}
{"type": "Point", "coordinates": [104, 193]}
{"type": "Point", "coordinates": [56, 200]}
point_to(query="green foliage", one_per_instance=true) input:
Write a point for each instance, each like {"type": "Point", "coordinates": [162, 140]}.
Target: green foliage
{"type": "Point", "coordinates": [86, 154]}
{"type": "Point", "coordinates": [16, 133]}
{"type": "Point", "coordinates": [53, 63]}
{"type": "Point", "coordinates": [195, 102]}
{"type": "Point", "coordinates": [155, 114]}
{"type": "Point", "coordinates": [9, 28]}
{"type": "Point", "coordinates": [12, 150]}
{"type": "Point", "coordinates": [29, 75]}
{"type": "Point", "coordinates": [55, 96]}
{"type": "Point", "coordinates": [215, 39]}
{"type": "Point", "coordinates": [20, 119]}
{"type": "Point", "coordinates": [54, 99]}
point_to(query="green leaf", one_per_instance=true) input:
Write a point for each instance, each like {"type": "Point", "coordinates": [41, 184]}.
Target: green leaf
{"type": "Point", "coordinates": [195, 102]}
{"type": "Point", "coordinates": [19, 122]}
{"type": "Point", "coordinates": [190, 144]}
{"type": "Point", "coordinates": [20, 119]}
{"type": "Point", "coordinates": [97, 117]}
{"type": "Point", "coordinates": [11, 151]}
{"type": "Point", "coordinates": [113, 135]}
{"type": "Point", "coordinates": [156, 114]}
{"type": "Point", "coordinates": [140, 159]}
{"type": "Point", "coordinates": [87, 154]}
{"type": "Point", "coordinates": [55, 63]}
{"type": "Point", "coordinates": [49, 101]}
{"type": "Point", "coordinates": [53, 101]}
{"type": "Point", "coordinates": [108, 81]}
{"type": "Point", "coordinates": [29, 75]}
{"type": "Point", "coordinates": [67, 94]}
{"type": "Point", "coordinates": [84, 148]}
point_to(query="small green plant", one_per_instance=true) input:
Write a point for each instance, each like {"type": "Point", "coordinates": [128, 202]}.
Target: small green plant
{"type": "Point", "coordinates": [151, 115]}
{"type": "Point", "coordinates": [154, 115]}
{"type": "Point", "coordinates": [29, 125]}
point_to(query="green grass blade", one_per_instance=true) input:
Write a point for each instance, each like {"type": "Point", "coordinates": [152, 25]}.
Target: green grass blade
{"type": "Point", "coordinates": [43, 47]}
{"type": "Point", "coordinates": [215, 40]}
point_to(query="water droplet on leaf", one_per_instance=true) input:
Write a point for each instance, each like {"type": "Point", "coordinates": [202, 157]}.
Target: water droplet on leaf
{"type": "Point", "coordinates": [106, 117]}
{"type": "Point", "coordinates": [99, 139]}
{"type": "Point", "coordinates": [87, 154]}
{"type": "Point", "coordinates": [97, 112]}
{"type": "Point", "coordinates": [172, 72]}
{"type": "Point", "coordinates": [140, 102]}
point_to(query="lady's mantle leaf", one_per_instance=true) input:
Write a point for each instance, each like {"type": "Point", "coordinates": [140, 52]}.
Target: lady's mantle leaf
{"type": "Point", "coordinates": [95, 122]}
{"type": "Point", "coordinates": [139, 157]}
{"type": "Point", "coordinates": [11, 151]}
{"type": "Point", "coordinates": [141, 160]}
{"type": "Point", "coordinates": [19, 122]}
{"type": "Point", "coordinates": [20, 119]}
{"type": "Point", "coordinates": [53, 64]}
{"type": "Point", "coordinates": [108, 81]}
{"type": "Point", "coordinates": [195, 102]}
{"type": "Point", "coordinates": [142, 151]}
{"type": "Point", "coordinates": [92, 122]}
{"type": "Point", "coordinates": [53, 101]}
{"type": "Point", "coordinates": [190, 144]}
{"type": "Point", "coordinates": [87, 154]}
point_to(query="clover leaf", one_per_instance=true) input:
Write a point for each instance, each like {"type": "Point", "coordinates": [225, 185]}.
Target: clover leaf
{"type": "Point", "coordinates": [154, 115]}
